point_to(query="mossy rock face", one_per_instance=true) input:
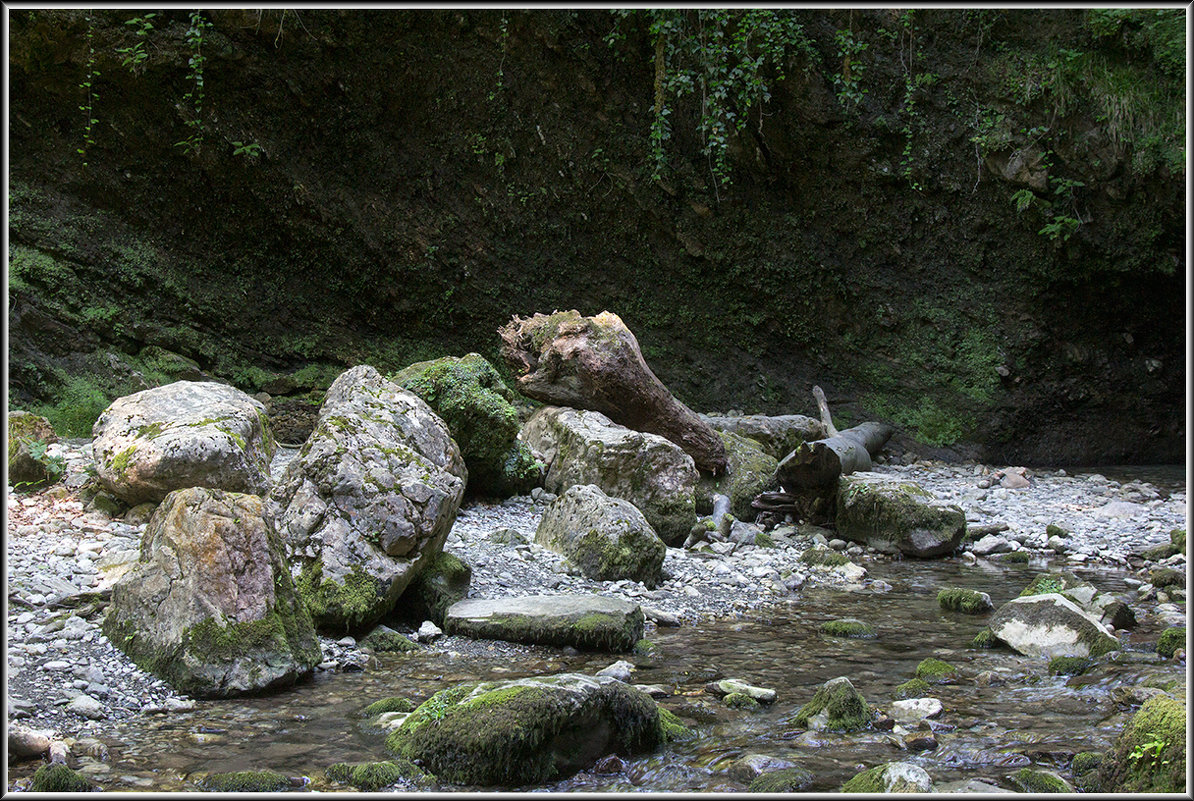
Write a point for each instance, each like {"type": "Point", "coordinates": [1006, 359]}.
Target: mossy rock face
{"type": "Point", "coordinates": [1170, 640]}
{"type": "Point", "coordinates": [897, 516]}
{"type": "Point", "coordinates": [28, 466]}
{"type": "Point", "coordinates": [1034, 780]}
{"type": "Point", "coordinates": [936, 671]}
{"type": "Point", "coordinates": [786, 780]}
{"type": "Point", "coordinates": [477, 407]}
{"type": "Point", "coordinates": [740, 701]}
{"type": "Point", "coordinates": [913, 688]}
{"type": "Point", "coordinates": [245, 781]}
{"type": "Point", "coordinates": [1069, 665]}
{"type": "Point", "coordinates": [892, 777]}
{"type": "Point", "coordinates": [527, 731]}
{"type": "Point", "coordinates": [1015, 557]}
{"type": "Point", "coordinates": [1149, 756]}
{"type": "Point", "coordinates": [958, 599]}
{"type": "Point", "coordinates": [384, 639]}
{"type": "Point", "coordinates": [58, 778]}
{"type": "Point", "coordinates": [1046, 583]}
{"type": "Point", "coordinates": [670, 727]}
{"type": "Point", "coordinates": [607, 538]}
{"type": "Point", "coordinates": [1178, 538]}
{"type": "Point", "coordinates": [848, 627]}
{"type": "Point", "coordinates": [372, 776]}
{"type": "Point", "coordinates": [836, 706]}
{"type": "Point", "coordinates": [1054, 530]}
{"type": "Point", "coordinates": [394, 703]}
{"type": "Point", "coordinates": [444, 581]}
{"type": "Point", "coordinates": [210, 607]}
{"type": "Point", "coordinates": [1050, 625]}
{"type": "Point", "coordinates": [586, 622]}
{"type": "Point", "coordinates": [749, 471]}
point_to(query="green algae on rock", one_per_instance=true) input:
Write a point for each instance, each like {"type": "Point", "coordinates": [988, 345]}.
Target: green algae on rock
{"type": "Point", "coordinates": [1034, 780]}
{"type": "Point", "coordinates": [1149, 756]}
{"type": "Point", "coordinates": [245, 781]}
{"type": "Point", "coordinates": [785, 780]}
{"type": "Point", "coordinates": [836, 706]}
{"type": "Point", "coordinates": [848, 627]}
{"type": "Point", "coordinates": [1170, 640]}
{"type": "Point", "coordinates": [970, 602]}
{"type": "Point", "coordinates": [936, 671]}
{"type": "Point", "coordinates": [372, 776]}
{"type": "Point", "coordinates": [58, 778]}
{"type": "Point", "coordinates": [891, 777]}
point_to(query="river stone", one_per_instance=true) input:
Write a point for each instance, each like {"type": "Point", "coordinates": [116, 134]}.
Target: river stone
{"type": "Point", "coordinates": [913, 710]}
{"type": "Point", "coordinates": [725, 687]}
{"type": "Point", "coordinates": [748, 767]}
{"type": "Point", "coordinates": [836, 706]}
{"type": "Point", "coordinates": [586, 447]}
{"type": "Point", "coordinates": [527, 731]}
{"type": "Point", "coordinates": [185, 434]}
{"type": "Point", "coordinates": [894, 516]}
{"type": "Point", "coordinates": [1050, 625]}
{"type": "Point", "coordinates": [778, 435]}
{"type": "Point", "coordinates": [210, 607]}
{"type": "Point", "coordinates": [369, 500]}
{"type": "Point", "coordinates": [891, 777]}
{"type": "Point", "coordinates": [749, 471]}
{"type": "Point", "coordinates": [590, 622]}
{"type": "Point", "coordinates": [1161, 719]}
{"type": "Point", "coordinates": [27, 743]}
{"type": "Point", "coordinates": [607, 538]}
{"type": "Point", "coordinates": [470, 397]}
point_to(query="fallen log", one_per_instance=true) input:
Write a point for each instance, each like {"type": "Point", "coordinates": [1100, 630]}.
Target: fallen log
{"type": "Point", "coordinates": [820, 463]}
{"type": "Point", "coordinates": [595, 363]}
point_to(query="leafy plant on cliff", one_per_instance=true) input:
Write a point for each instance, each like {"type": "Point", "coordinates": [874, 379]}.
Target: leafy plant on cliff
{"type": "Point", "coordinates": [194, 36]}
{"type": "Point", "coordinates": [88, 87]}
{"type": "Point", "coordinates": [135, 55]}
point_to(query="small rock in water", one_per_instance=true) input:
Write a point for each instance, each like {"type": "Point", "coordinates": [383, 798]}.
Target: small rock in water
{"type": "Point", "coordinates": [619, 670]}
{"type": "Point", "coordinates": [428, 632]}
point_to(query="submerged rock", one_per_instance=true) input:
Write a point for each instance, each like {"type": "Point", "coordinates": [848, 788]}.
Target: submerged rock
{"type": "Point", "coordinates": [587, 622]}
{"type": "Point", "coordinates": [210, 607]}
{"type": "Point", "coordinates": [1050, 625]}
{"type": "Point", "coordinates": [895, 516]}
{"type": "Point", "coordinates": [369, 500]}
{"type": "Point", "coordinates": [585, 447]}
{"type": "Point", "coordinates": [527, 731]}
{"type": "Point", "coordinates": [185, 434]}
{"type": "Point", "coordinates": [786, 780]}
{"type": "Point", "coordinates": [892, 777]}
{"type": "Point", "coordinates": [607, 538]}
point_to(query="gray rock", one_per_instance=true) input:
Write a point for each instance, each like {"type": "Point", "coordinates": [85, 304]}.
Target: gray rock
{"type": "Point", "coordinates": [725, 687]}
{"type": "Point", "coordinates": [27, 743]}
{"type": "Point", "coordinates": [585, 447]}
{"type": "Point", "coordinates": [607, 538]}
{"type": "Point", "coordinates": [894, 516]}
{"type": "Point", "coordinates": [779, 435]}
{"type": "Point", "coordinates": [746, 768]}
{"type": "Point", "coordinates": [210, 608]}
{"type": "Point", "coordinates": [88, 707]}
{"type": "Point", "coordinates": [185, 434]}
{"type": "Point", "coordinates": [990, 544]}
{"type": "Point", "coordinates": [913, 710]}
{"type": "Point", "coordinates": [588, 622]}
{"type": "Point", "coordinates": [619, 670]}
{"type": "Point", "coordinates": [368, 501]}
{"type": "Point", "coordinates": [891, 777]}
{"type": "Point", "coordinates": [1050, 625]}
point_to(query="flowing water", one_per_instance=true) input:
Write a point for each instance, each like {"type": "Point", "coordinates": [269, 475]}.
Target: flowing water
{"type": "Point", "coordinates": [986, 731]}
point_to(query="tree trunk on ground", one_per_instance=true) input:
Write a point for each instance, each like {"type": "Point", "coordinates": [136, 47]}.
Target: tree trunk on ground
{"type": "Point", "coordinates": [820, 463]}
{"type": "Point", "coordinates": [595, 363]}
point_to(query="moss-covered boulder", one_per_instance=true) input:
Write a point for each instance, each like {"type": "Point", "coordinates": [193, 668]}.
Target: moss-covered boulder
{"type": "Point", "coordinates": [894, 516]}
{"type": "Point", "coordinates": [369, 500]}
{"type": "Point", "coordinates": [824, 557]}
{"type": "Point", "coordinates": [848, 627]}
{"type": "Point", "coordinates": [778, 435]}
{"type": "Point", "coordinates": [58, 778]}
{"type": "Point", "coordinates": [373, 776]}
{"type": "Point", "coordinates": [29, 467]}
{"type": "Point", "coordinates": [749, 471]}
{"type": "Point", "coordinates": [1050, 625]}
{"type": "Point", "coordinates": [607, 538]}
{"type": "Point", "coordinates": [786, 780]}
{"type": "Point", "coordinates": [442, 582]}
{"type": "Point", "coordinates": [1034, 780]}
{"type": "Point", "coordinates": [1149, 756]}
{"type": "Point", "coordinates": [936, 671]}
{"type": "Point", "coordinates": [1170, 640]}
{"type": "Point", "coordinates": [1085, 770]}
{"type": "Point", "coordinates": [913, 688]}
{"type": "Point", "coordinates": [891, 777]}
{"type": "Point", "coordinates": [210, 606]}
{"type": "Point", "coordinates": [1163, 577]}
{"type": "Point", "coordinates": [527, 731]}
{"type": "Point", "coordinates": [469, 395]}
{"type": "Point", "coordinates": [960, 599]}
{"type": "Point", "coordinates": [588, 622]}
{"type": "Point", "coordinates": [185, 434]}
{"type": "Point", "coordinates": [836, 706]}
{"type": "Point", "coordinates": [383, 639]}
{"type": "Point", "coordinates": [1110, 610]}
{"type": "Point", "coordinates": [245, 781]}
{"type": "Point", "coordinates": [585, 447]}
{"type": "Point", "coordinates": [394, 703]}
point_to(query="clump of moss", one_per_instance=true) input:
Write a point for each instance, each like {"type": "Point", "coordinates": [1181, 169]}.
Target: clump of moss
{"type": "Point", "coordinates": [245, 781]}
{"type": "Point", "coordinates": [1170, 640]}
{"type": "Point", "coordinates": [913, 688]}
{"type": "Point", "coordinates": [372, 776]}
{"type": "Point", "coordinates": [764, 540]}
{"type": "Point", "coordinates": [848, 627]}
{"type": "Point", "coordinates": [1069, 665]}
{"type": "Point", "coordinates": [1178, 538]}
{"type": "Point", "coordinates": [786, 780]}
{"type": "Point", "coordinates": [935, 671]}
{"type": "Point", "coordinates": [644, 647]}
{"type": "Point", "coordinates": [959, 599]}
{"type": "Point", "coordinates": [58, 778]}
{"type": "Point", "coordinates": [1032, 780]}
{"type": "Point", "coordinates": [394, 703]}
{"type": "Point", "coordinates": [334, 606]}
{"type": "Point", "coordinates": [823, 557]}
{"type": "Point", "coordinates": [670, 727]}
{"type": "Point", "coordinates": [843, 706]}
{"type": "Point", "coordinates": [1016, 557]}
{"type": "Point", "coordinates": [1044, 584]}
{"type": "Point", "coordinates": [1054, 530]}
{"type": "Point", "coordinates": [1149, 756]}
{"type": "Point", "coordinates": [1085, 770]}
{"type": "Point", "coordinates": [740, 701]}
{"type": "Point", "coordinates": [984, 639]}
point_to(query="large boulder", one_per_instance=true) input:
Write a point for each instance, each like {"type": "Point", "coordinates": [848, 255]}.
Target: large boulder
{"type": "Point", "coordinates": [749, 471]}
{"type": "Point", "coordinates": [185, 434]}
{"type": "Point", "coordinates": [527, 731]}
{"type": "Point", "coordinates": [584, 447]}
{"type": "Point", "coordinates": [896, 516]}
{"type": "Point", "coordinates": [1149, 756]}
{"type": "Point", "coordinates": [778, 435]}
{"type": "Point", "coordinates": [836, 706]}
{"type": "Point", "coordinates": [590, 622]}
{"type": "Point", "coordinates": [1050, 625]}
{"type": "Point", "coordinates": [368, 501]}
{"type": "Point", "coordinates": [607, 538]}
{"type": "Point", "coordinates": [470, 397]}
{"type": "Point", "coordinates": [210, 607]}
{"type": "Point", "coordinates": [1110, 610]}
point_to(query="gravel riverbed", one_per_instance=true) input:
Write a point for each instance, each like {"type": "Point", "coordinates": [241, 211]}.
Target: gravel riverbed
{"type": "Point", "coordinates": [65, 677]}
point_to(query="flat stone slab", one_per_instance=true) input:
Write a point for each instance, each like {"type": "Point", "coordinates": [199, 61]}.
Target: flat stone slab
{"type": "Point", "coordinates": [594, 623]}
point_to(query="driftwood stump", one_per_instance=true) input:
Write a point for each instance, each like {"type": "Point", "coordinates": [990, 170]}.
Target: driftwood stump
{"type": "Point", "coordinates": [565, 359]}
{"type": "Point", "coordinates": [820, 463]}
